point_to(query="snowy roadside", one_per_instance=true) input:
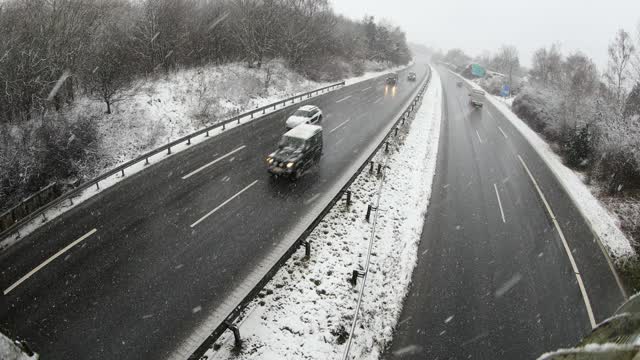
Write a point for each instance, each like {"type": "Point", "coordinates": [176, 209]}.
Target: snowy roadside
{"type": "Point", "coordinates": [306, 310]}
{"type": "Point", "coordinates": [165, 110]}
{"type": "Point", "coordinates": [602, 222]}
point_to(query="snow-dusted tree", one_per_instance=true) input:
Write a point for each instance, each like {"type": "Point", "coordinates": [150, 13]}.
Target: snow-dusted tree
{"type": "Point", "coordinates": [109, 65]}
{"type": "Point", "coordinates": [632, 104]}
{"type": "Point", "coordinates": [256, 26]}
{"type": "Point", "coordinates": [507, 61]}
{"type": "Point", "coordinates": [546, 66]}
{"type": "Point", "coordinates": [621, 49]}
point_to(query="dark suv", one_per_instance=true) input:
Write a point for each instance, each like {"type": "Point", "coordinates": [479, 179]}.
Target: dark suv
{"type": "Point", "coordinates": [298, 150]}
{"type": "Point", "coordinates": [392, 80]}
{"type": "Point", "coordinates": [412, 76]}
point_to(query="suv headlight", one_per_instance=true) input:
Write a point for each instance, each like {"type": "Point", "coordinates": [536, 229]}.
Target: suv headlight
{"type": "Point", "coordinates": [290, 164]}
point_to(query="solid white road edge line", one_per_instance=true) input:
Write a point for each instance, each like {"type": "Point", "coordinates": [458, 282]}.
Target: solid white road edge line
{"type": "Point", "coordinates": [46, 262]}
{"type": "Point", "coordinates": [479, 138]}
{"type": "Point", "coordinates": [365, 89]}
{"type": "Point", "coordinates": [213, 162]}
{"type": "Point", "coordinates": [343, 99]}
{"type": "Point", "coordinates": [585, 297]}
{"type": "Point", "coordinates": [499, 203]}
{"type": "Point", "coordinates": [379, 99]}
{"type": "Point", "coordinates": [339, 126]}
{"type": "Point", "coordinates": [503, 134]}
{"type": "Point", "coordinates": [223, 204]}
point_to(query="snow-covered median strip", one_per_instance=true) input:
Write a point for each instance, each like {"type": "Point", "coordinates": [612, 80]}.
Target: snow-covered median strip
{"type": "Point", "coordinates": [306, 310]}
{"type": "Point", "coordinates": [601, 221]}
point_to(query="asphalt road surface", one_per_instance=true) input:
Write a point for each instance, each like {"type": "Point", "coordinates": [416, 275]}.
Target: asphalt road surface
{"type": "Point", "coordinates": [493, 279]}
{"type": "Point", "coordinates": [134, 271]}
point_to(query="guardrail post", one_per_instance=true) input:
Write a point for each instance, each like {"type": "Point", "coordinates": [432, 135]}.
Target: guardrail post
{"type": "Point", "coordinates": [379, 169]}
{"type": "Point", "coordinates": [368, 215]}
{"type": "Point", "coordinates": [44, 218]}
{"type": "Point", "coordinates": [274, 106]}
{"type": "Point", "coordinates": [348, 198]}
{"type": "Point", "coordinates": [307, 249]}
{"type": "Point", "coordinates": [70, 201]}
{"type": "Point", "coordinates": [239, 118]}
{"type": "Point", "coordinates": [122, 170]}
{"type": "Point", "coordinates": [207, 135]}
{"type": "Point", "coordinates": [97, 186]}
{"type": "Point", "coordinates": [169, 150]}
{"type": "Point", "coordinates": [252, 115]}
{"type": "Point", "coordinates": [403, 117]}
{"type": "Point", "coordinates": [371, 167]}
{"type": "Point", "coordinates": [237, 341]}
{"type": "Point", "coordinates": [396, 132]}
{"type": "Point", "coordinates": [189, 141]}
{"type": "Point", "coordinates": [386, 146]}
{"type": "Point", "coordinates": [146, 161]}
{"type": "Point", "coordinates": [354, 277]}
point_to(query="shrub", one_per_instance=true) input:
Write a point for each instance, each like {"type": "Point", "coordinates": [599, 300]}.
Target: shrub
{"type": "Point", "coordinates": [531, 107]}
{"type": "Point", "coordinates": [579, 145]}
{"type": "Point", "coordinates": [618, 168]}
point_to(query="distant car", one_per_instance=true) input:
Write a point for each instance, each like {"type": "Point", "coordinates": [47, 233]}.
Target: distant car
{"type": "Point", "coordinates": [392, 80]}
{"type": "Point", "coordinates": [412, 76]}
{"type": "Point", "coordinates": [477, 97]}
{"type": "Point", "coordinates": [459, 84]}
{"type": "Point", "coordinates": [299, 149]}
{"type": "Point", "coordinates": [307, 114]}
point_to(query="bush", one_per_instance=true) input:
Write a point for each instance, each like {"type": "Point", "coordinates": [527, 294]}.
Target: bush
{"type": "Point", "coordinates": [41, 153]}
{"type": "Point", "coordinates": [618, 168]}
{"type": "Point", "coordinates": [531, 107]}
{"type": "Point", "coordinates": [579, 145]}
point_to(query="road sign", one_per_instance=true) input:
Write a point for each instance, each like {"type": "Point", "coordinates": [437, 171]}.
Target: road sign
{"type": "Point", "coordinates": [506, 90]}
{"type": "Point", "coordinates": [477, 70]}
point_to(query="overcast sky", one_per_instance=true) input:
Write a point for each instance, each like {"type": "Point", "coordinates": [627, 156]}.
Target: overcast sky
{"type": "Point", "coordinates": [586, 25]}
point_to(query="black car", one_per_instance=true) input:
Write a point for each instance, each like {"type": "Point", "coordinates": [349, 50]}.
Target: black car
{"type": "Point", "coordinates": [412, 76]}
{"type": "Point", "coordinates": [298, 150]}
{"type": "Point", "coordinates": [392, 80]}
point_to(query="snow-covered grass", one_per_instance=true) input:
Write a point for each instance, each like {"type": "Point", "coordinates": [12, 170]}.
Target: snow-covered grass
{"type": "Point", "coordinates": [306, 310]}
{"type": "Point", "coordinates": [602, 222]}
{"type": "Point", "coordinates": [157, 111]}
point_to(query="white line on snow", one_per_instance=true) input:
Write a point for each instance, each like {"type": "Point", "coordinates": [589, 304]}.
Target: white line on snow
{"type": "Point", "coordinates": [365, 89]}
{"type": "Point", "coordinates": [224, 203]}
{"type": "Point", "coordinates": [499, 203]}
{"type": "Point", "coordinates": [479, 138]}
{"type": "Point", "coordinates": [377, 101]}
{"type": "Point", "coordinates": [339, 126]}
{"type": "Point", "coordinates": [312, 199]}
{"type": "Point", "coordinates": [343, 99]}
{"type": "Point", "coordinates": [574, 266]}
{"type": "Point", "coordinates": [503, 133]}
{"type": "Point", "coordinates": [213, 162]}
{"type": "Point", "coordinates": [46, 262]}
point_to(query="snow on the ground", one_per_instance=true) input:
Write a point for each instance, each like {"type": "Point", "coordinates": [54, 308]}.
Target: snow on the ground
{"type": "Point", "coordinates": [306, 310]}
{"type": "Point", "coordinates": [162, 110]}
{"type": "Point", "coordinates": [603, 223]}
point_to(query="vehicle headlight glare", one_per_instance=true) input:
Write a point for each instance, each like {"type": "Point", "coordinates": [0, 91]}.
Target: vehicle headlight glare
{"type": "Point", "coordinates": [290, 165]}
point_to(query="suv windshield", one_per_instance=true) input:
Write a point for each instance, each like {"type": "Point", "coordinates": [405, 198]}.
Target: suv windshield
{"type": "Point", "coordinates": [302, 113]}
{"type": "Point", "coordinates": [292, 143]}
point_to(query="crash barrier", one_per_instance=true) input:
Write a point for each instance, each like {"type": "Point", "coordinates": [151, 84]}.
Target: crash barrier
{"type": "Point", "coordinates": [228, 323]}
{"type": "Point", "coordinates": [14, 223]}
{"type": "Point", "coordinates": [29, 205]}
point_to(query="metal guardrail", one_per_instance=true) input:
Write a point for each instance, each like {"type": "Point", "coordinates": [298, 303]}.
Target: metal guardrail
{"type": "Point", "coordinates": [145, 157]}
{"type": "Point", "coordinates": [227, 323]}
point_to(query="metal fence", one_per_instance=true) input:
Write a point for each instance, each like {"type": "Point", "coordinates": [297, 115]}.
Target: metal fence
{"type": "Point", "coordinates": [228, 322]}
{"type": "Point", "coordinates": [68, 196]}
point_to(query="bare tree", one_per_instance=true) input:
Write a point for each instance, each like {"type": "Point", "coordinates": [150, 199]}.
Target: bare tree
{"type": "Point", "coordinates": [620, 51]}
{"type": "Point", "coordinates": [256, 24]}
{"type": "Point", "coordinates": [547, 65]}
{"type": "Point", "coordinates": [507, 61]}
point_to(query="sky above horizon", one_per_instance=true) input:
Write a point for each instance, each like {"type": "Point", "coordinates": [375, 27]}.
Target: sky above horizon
{"type": "Point", "coordinates": [477, 26]}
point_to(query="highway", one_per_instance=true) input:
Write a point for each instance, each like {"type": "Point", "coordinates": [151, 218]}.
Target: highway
{"type": "Point", "coordinates": [138, 270]}
{"type": "Point", "coordinates": [494, 279]}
